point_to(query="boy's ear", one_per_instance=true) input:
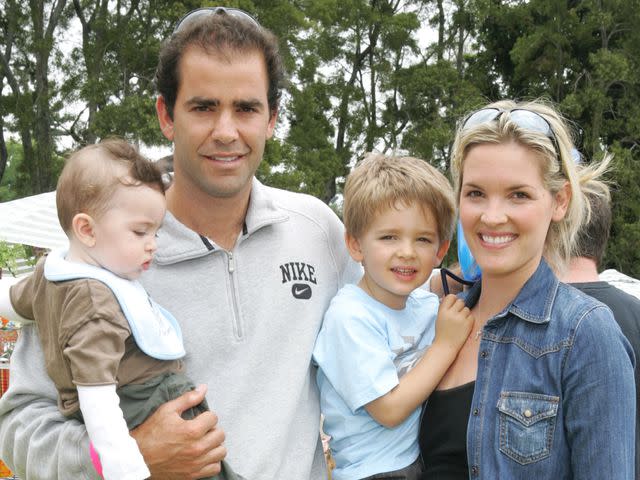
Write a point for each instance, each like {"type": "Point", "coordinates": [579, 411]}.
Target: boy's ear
{"type": "Point", "coordinates": [353, 245]}
{"type": "Point", "coordinates": [442, 251]}
{"type": "Point", "coordinates": [82, 227]}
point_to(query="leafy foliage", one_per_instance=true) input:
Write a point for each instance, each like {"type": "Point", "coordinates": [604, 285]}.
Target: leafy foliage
{"type": "Point", "coordinates": [10, 253]}
{"type": "Point", "coordinates": [386, 75]}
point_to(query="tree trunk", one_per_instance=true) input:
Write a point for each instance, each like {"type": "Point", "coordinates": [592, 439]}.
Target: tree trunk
{"type": "Point", "coordinates": [461, 36]}
{"type": "Point", "coordinates": [4, 155]}
{"type": "Point", "coordinates": [43, 40]}
{"type": "Point", "coordinates": [441, 28]}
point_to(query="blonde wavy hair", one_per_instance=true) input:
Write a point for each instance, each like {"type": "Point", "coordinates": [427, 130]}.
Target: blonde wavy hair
{"type": "Point", "coordinates": [556, 167]}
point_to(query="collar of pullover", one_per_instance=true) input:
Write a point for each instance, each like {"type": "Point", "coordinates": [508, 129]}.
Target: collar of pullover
{"type": "Point", "coordinates": [177, 243]}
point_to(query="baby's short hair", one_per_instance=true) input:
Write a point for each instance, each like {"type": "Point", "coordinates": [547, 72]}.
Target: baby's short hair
{"type": "Point", "coordinates": [379, 182]}
{"type": "Point", "coordinates": [91, 173]}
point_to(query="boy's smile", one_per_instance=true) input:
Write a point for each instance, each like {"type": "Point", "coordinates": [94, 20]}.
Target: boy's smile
{"type": "Point", "coordinates": [398, 251]}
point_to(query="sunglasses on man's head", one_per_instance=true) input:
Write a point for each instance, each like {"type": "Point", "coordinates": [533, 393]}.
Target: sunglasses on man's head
{"type": "Point", "coordinates": [523, 118]}
{"type": "Point", "coordinates": [198, 13]}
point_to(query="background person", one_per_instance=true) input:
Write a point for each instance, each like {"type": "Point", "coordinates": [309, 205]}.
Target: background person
{"type": "Point", "coordinates": [532, 392]}
{"type": "Point", "coordinates": [247, 270]}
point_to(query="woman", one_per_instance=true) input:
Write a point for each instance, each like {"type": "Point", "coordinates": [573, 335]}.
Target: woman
{"type": "Point", "coordinates": [543, 388]}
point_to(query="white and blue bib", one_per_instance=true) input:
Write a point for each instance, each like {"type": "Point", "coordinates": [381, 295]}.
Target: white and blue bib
{"type": "Point", "coordinates": [155, 329]}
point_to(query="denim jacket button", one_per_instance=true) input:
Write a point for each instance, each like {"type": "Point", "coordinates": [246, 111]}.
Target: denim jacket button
{"type": "Point", "coordinates": [527, 413]}
{"type": "Point", "coordinates": [483, 353]}
{"type": "Point", "coordinates": [474, 470]}
{"type": "Point", "coordinates": [476, 412]}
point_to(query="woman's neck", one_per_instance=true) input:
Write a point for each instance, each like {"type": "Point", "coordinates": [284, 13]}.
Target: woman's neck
{"type": "Point", "coordinates": [498, 292]}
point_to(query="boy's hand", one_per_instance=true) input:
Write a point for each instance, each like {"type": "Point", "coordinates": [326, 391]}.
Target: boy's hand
{"type": "Point", "coordinates": [454, 323]}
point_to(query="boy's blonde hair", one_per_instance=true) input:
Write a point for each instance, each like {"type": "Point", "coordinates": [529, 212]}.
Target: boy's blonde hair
{"type": "Point", "coordinates": [91, 174]}
{"type": "Point", "coordinates": [380, 182]}
{"type": "Point", "coordinates": [556, 167]}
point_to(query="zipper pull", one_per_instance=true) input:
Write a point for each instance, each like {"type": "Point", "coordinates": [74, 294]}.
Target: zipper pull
{"type": "Point", "coordinates": [232, 266]}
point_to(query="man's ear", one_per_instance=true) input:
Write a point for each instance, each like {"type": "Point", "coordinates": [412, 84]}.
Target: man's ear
{"type": "Point", "coordinates": [164, 118]}
{"type": "Point", "coordinates": [561, 202]}
{"type": "Point", "coordinates": [442, 251]}
{"type": "Point", "coordinates": [271, 126]}
{"type": "Point", "coordinates": [353, 245]}
{"type": "Point", "coordinates": [82, 227]}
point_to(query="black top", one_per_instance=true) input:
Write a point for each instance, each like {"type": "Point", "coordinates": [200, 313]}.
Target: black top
{"type": "Point", "coordinates": [443, 433]}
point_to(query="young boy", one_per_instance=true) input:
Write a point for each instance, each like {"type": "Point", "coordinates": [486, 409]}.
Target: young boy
{"type": "Point", "coordinates": [376, 352]}
{"type": "Point", "coordinates": [110, 349]}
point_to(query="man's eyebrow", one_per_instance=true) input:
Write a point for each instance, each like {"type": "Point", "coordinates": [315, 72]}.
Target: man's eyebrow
{"type": "Point", "coordinates": [214, 102]}
{"type": "Point", "coordinates": [250, 103]}
{"type": "Point", "coordinates": [203, 101]}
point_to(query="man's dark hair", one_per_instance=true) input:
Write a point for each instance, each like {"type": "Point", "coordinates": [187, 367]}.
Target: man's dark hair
{"type": "Point", "coordinates": [220, 34]}
{"type": "Point", "coordinates": [592, 238]}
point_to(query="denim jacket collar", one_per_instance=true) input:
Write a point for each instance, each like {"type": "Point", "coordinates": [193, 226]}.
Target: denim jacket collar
{"type": "Point", "coordinates": [527, 305]}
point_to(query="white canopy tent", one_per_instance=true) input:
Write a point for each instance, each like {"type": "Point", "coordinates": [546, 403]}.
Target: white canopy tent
{"type": "Point", "coordinates": [32, 221]}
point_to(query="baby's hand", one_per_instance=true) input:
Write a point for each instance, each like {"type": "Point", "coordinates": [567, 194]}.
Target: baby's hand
{"type": "Point", "coordinates": [454, 322]}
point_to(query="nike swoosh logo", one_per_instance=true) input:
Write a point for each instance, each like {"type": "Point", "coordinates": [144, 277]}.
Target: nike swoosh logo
{"type": "Point", "coordinates": [301, 291]}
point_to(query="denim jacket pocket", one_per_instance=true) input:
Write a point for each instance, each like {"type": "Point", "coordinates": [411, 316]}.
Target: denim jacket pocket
{"type": "Point", "coordinates": [527, 422]}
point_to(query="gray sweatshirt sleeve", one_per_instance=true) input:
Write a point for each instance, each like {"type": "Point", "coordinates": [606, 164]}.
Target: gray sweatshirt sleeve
{"type": "Point", "coordinates": [36, 441]}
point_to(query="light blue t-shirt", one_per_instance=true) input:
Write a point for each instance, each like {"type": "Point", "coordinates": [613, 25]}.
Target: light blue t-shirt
{"type": "Point", "coordinates": [362, 350]}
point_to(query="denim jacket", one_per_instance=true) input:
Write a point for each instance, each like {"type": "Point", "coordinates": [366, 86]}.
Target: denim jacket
{"type": "Point", "coordinates": [555, 394]}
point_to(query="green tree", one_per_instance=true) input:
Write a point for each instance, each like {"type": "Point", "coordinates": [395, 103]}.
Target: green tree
{"type": "Point", "coordinates": [111, 73]}
{"type": "Point", "coordinates": [29, 31]}
{"type": "Point", "coordinates": [8, 184]}
{"type": "Point", "coordinates": [359, 82]}
{"type": "Point", "coordinates": [341, 82]}
{"type": "Point", "coordinates": [10, 253]}
{"type": "Point", "coordinates": [435, 92]}
{"type": "Point", "coordinates": [622, 252]}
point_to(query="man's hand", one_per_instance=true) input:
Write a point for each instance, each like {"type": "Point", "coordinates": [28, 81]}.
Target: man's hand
{"type": "Point", "coordinates": [174, 448]}
{"type": "Point", "coordinates": [454, 323]}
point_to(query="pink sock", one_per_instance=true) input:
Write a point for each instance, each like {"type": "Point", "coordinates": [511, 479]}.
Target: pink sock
{"type": "Point", "coordinates": [95, 459]}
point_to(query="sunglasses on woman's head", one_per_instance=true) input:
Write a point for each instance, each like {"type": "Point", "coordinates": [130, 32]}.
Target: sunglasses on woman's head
{"type": "Point", "coordinates": [523, 118]}
{"type": "Point", "coordinates": [193, 15]}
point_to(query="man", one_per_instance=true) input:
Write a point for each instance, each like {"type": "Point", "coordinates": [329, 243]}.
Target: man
{"type": "Point", "coordinates": [583, 274]}
{"type": "Point", "coordinates": [247, 270]}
